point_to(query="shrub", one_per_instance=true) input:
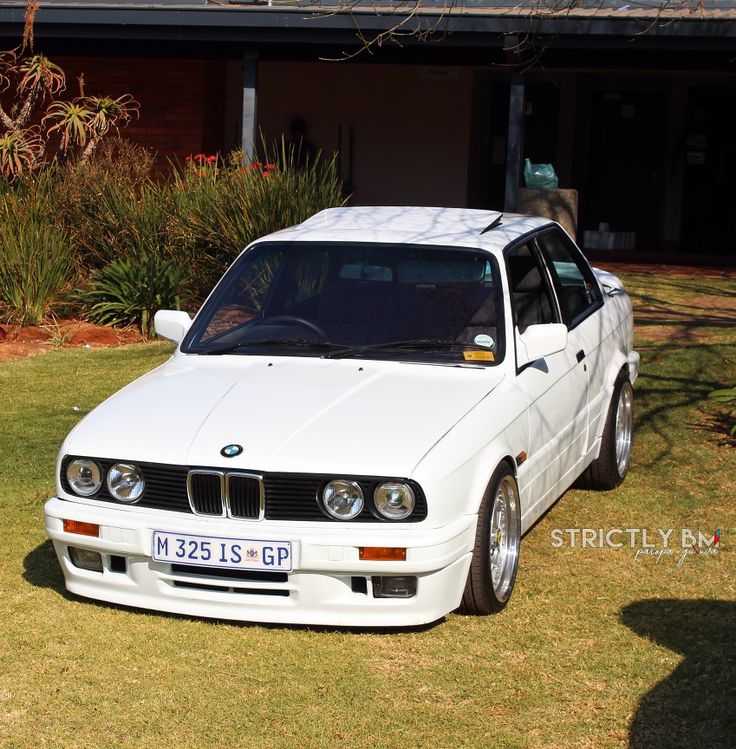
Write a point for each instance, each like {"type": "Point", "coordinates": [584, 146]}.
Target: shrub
{"type": "Point", "coordinates": [727, 397]}
{"type": "Point", "coordinates": [112, 206]}
{"type": "Point", "coordinates": [220, 207]}
{"type": "Point", "coordinates": [130, 290]}
{"type": "Point", "coordinates": [36, 256]}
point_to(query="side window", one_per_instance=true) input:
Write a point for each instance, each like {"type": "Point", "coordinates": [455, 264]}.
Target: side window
{"type": "Point", "coordinates": [532, 301]}
{"type": "Point", "coordinates": [578, 291]}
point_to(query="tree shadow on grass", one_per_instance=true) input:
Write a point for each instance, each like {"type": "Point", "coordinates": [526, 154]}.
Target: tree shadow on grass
{"type": "Point", "coordinates": [695, 706]}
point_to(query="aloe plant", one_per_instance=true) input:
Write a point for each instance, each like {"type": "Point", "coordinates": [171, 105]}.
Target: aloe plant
{"type": "Point", "coordinates": [79, 124]}
{"type": "Point", "coordinates": [85, 120]}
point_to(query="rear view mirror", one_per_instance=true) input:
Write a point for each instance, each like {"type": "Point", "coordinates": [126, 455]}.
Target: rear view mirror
{"type": "Point", "coordinates": [171, 324]}
{"type": "Point", "coordinates": [538, 341]}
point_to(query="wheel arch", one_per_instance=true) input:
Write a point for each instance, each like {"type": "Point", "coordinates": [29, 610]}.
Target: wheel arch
{"type": "Point", "coordinates": [618, 365]}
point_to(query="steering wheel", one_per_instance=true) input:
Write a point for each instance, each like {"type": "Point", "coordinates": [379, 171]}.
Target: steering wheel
{"type": "Point", "coordinates": [294, 320]}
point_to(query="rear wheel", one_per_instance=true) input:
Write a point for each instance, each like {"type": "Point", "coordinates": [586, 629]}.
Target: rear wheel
{"type": "Point", "coordinates": [609, 469]}
{"type": "Point", "coordinates": [497, 541]}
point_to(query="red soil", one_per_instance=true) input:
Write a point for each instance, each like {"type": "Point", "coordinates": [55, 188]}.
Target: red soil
{"type": "Point", "coordinates": [17, 341]}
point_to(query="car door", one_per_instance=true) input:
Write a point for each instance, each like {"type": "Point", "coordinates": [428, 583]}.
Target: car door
{"type": "Point", "coordinates": [556, 386]}
{"type": "Point", "coordinates": [581, 301]}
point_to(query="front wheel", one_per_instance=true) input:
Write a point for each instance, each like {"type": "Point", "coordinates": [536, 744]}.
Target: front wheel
{"type": "Point", "coordinates": [609, 469]}
{"type": "Point", "coordinates": [497, 541]}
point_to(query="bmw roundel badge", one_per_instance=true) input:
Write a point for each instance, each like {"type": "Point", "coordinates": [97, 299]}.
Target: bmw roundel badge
{"type": "Point", "coordinates": [231, 451]}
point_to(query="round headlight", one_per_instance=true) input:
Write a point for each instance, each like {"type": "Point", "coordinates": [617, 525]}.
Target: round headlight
{"type": "Point", "coordinates": [84, 477]}
{"type": "Point", "coordinates": [394, 500]}
{"type": "Point", "coordinates": [125, 482]}
{"type": "Point", "coordinates": [343, 499]}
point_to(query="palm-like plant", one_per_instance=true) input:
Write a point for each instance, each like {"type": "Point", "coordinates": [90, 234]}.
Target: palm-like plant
{"type": "Point", "coordinates": [71, 119]}
{"type": "Point", "coordinates": [84, 121]}
{"type": "Point", "coordinates": [80, 123]}
{"type": "Point", "coordinates": [109, 113]}
{"type": "Point", "coordinates": [20, 151]}
{"type": "Point", "coordinates": [40, 77]}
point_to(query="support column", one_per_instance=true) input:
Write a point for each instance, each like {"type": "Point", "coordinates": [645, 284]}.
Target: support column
{"type": "Point", "coordinates": [248, 139]}
{"type": "Point", "coordinates": [515, 142]}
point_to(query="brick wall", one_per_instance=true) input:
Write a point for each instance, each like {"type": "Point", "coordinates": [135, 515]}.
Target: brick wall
{"type": "Point", "coordinates": [182, 101]}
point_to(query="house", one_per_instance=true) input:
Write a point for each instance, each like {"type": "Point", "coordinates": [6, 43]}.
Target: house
{"type": "Point", "coordinates": [632, 104]}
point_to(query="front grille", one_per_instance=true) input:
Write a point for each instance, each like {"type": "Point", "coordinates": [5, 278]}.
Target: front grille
{"type": "Point", "coordinates": [229, 581]}
{"type": "Point", "coordinates": [253, 576]}
{"type": "Point", "coordinates": [205, 492]}
{"type": "Point", "coordinates": [247, 496]}
{"type": "Point", "coordinates": [244, 496]}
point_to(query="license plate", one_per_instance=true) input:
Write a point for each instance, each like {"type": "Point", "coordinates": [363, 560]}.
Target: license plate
{"type": "Point", "coordinates": [214, 551]}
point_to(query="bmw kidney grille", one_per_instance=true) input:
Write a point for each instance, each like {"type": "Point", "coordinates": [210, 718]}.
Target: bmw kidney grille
{"type": "Point", "coordinates": [219, 494]}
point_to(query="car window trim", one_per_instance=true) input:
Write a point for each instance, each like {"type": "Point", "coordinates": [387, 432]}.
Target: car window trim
{"type": "Point", "coordinates": [500, 353]}
{"type": "Point", "coordinates": [555, 279]}
{"type": "Point", "coordinates": [528, 239]}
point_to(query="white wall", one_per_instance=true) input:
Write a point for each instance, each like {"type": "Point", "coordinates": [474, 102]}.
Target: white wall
{"type": "Point", "coordinates": [411, 124]}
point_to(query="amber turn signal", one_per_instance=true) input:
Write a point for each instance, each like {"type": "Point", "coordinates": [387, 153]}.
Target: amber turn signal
{"type": "Point", "coordinates": [83, 529]}
{"type": "Point", "coordinates": [382, 553]}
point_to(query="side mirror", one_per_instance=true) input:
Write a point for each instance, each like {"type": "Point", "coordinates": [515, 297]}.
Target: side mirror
{"type": "Point", "coordinates": [171, 324]}
{"type": "Point", "coordinates": [538, 341]}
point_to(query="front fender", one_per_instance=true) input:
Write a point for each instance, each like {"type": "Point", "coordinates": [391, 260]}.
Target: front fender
{"type": "Point", "coordinates": [455, 472]}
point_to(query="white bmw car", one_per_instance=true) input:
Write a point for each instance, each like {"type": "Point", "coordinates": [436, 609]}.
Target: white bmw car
{"type": "Point", "coordinates": [357, 428]}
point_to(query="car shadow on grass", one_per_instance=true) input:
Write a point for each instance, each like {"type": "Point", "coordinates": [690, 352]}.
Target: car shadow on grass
{"type": "Point", "coordinates": [695, 706]}
{"type": "Point", "coordinates": [41, 569]}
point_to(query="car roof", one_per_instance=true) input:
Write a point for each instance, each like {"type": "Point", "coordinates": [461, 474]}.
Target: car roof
{"type": "Point", "coordinates": [460, 227]}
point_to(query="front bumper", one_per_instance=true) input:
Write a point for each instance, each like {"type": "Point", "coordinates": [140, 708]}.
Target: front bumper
{"type": "Point", "coordinates": [321, 589]}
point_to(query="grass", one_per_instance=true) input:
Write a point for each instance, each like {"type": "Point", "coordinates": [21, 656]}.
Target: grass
{"type": "Point", "coordinates": [596, 649]}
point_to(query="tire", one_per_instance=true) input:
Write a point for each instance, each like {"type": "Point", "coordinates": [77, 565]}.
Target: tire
{"type": "Point", "coordinates": [496, 552]}
{"type": "Point", "coordinates": [609, 469]}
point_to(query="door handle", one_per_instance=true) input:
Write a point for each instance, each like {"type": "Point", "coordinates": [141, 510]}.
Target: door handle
{"type": "Point", "coordinates": [580, 355]}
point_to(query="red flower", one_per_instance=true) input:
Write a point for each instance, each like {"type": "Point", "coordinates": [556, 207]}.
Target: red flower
{"type": "Point", "coordinates": [188, 158]}
{"type": "Point", "coordinates": [211, 159]}
{"type": "Point", "coordinates": [199, 156]}
{"type": "Point", "coordinates": [270, 166]}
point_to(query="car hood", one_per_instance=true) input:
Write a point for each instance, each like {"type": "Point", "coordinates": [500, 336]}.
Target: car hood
{"type": "Point", "coordinates": [289, 414]}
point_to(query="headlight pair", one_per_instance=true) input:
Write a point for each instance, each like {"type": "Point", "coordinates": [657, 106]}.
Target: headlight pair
{"type": "Point", "coordinates": [344, 500]}
{"type": "Point", "coordinates": [124, 480]}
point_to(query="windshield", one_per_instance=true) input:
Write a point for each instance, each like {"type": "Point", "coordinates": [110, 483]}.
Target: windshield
{"type": "Point", "coordinates": [340, 300]}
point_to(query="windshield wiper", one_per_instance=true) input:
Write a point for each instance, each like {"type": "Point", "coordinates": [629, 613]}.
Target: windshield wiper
{"type": "Point", "coordinates": [421, 344]}
{"type": "Point", "coordinates": [301, 343]}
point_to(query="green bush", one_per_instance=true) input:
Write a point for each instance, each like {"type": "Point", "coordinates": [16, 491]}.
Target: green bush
{"type": "Point", "coordinates": [129, 291]}
{"type": "Point", "coordinates": [727, 397]}
{"type": "Point", "coordinates": [112, 206]}
{"type": "Point", "coordinates": [220, 207]}
{"type": "Point", "coordinates": [36, 256]}
{"type": "Point", "coordinates": [135, 241]}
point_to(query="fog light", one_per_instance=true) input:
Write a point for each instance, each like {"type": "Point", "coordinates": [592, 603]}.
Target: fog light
{"type": "Point", "coordinates": [86, 560]}
{"type": "Point", "coordinates": [394, 587]}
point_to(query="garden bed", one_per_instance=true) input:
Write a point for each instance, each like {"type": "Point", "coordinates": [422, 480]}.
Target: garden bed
{"type": "Point", "coordinates": [33, 339]}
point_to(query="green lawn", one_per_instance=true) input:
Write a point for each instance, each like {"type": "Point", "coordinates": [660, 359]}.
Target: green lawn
{"type": "Point", "coordinates": [596, 649]}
